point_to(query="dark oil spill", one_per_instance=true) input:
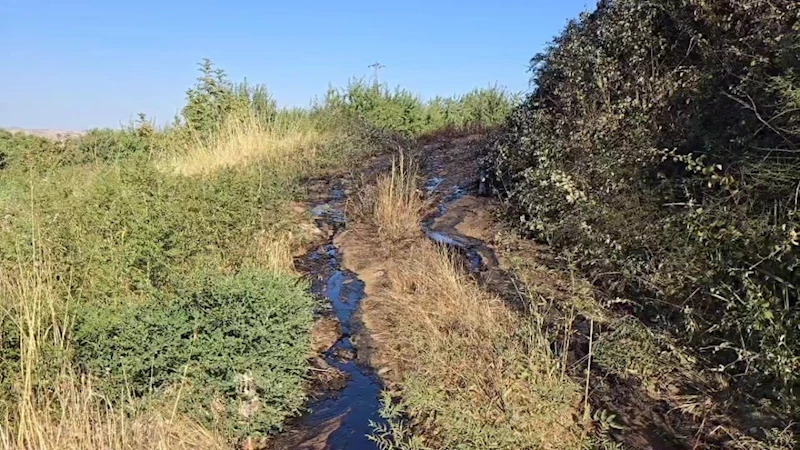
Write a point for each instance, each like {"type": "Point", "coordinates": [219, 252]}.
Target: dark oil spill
{"type": "Point", "coordinates": [340, 420]}
{"type": "Point", "coordinates": [358, 403]}
{"type": "Point", "coordinates": [474, 251]}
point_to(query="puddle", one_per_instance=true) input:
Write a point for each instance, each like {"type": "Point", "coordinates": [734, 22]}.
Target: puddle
{"type": "Point", "coordinates": [433, 184]}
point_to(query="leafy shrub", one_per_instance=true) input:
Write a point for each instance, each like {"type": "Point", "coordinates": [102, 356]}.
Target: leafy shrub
{"type": "Point", "coordinates": [130, 230]}
{"type": "Point", "coordinates": [215, 99]}
{"type": "Point", "coordinates": [401, 111]}
{"type": "Point", "coordinates": [661, 148]}
{"type": "Point", "coordinates": [241, 342]}
{"type": "Point", "coordinates": [107, 146]}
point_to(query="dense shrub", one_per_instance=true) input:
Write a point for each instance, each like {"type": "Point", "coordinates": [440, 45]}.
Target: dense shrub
{"type": "Point", "coordinates": [130, 229]}
{"type": "Point", "coordinates": [401, 111]}
{"type": "Point", "coordinates": [214, 99]}
{"type": "Point", "coordinates": [24, 152]}
{"type": "Point", "coordinates": [237, 343]}
{"type": "Point", "coordinates": [661, 147]}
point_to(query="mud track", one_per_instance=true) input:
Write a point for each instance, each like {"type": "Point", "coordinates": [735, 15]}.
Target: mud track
{"type": "Point", "coordinates": [352, 265]}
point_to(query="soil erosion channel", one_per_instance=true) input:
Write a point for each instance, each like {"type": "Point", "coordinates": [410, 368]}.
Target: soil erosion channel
{"type": "Point", "coordinates": [340, 419]}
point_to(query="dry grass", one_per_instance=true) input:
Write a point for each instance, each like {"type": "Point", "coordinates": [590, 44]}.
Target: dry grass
{"type": "Point", "coordinates": [276, 253]}
{"type": "Point", "coordinates": [393, 205]}
{"type": "Point", "coordinates": [74, 417]}
{"type": "Point", "coordinates": [472, 373]}
{"type": "Point", "coordinates": [56, 409]}
{"type": "Point", "coordinates": [471, 368]}
{"type": "Point", "coordinates": [287, 144]}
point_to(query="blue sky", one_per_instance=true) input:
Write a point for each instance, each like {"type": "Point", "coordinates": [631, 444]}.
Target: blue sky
{"type": "Point", "coordinates": [80, 64]}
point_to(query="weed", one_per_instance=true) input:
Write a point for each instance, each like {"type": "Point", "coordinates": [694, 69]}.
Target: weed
{"type": "Point", "coordinates": [472, 369]}
{"type": "Point", "coordinates": [395, 434]}
{"type": "Point", "coordinates": [394, 204]}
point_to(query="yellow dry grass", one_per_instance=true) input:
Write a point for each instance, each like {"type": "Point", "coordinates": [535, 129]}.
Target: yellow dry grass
{"type": "Point", "coordinates": [394, 204]}
{"type": "Point", "coordinates": [63, 411]}
{"type": "Point", "coordinates": [470, 370]}
{"type": "Point", "coordinates": [471, 367]}
{"type": "Point", "coordinates": [275, 253]}
{"type": "Point", "coordinates": [286, 144]}
{"type": "Point", "coordinates": [75, 417]}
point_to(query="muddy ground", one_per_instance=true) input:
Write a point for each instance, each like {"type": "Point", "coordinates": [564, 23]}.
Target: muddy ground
{"type": "Point", "coordinates": [654, 396]}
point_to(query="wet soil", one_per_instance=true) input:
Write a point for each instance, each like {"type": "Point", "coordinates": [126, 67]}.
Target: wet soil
{"type": "Point", "coordinates": [348, 392]}
{"type": "Point", "coordinates": [466, 223]}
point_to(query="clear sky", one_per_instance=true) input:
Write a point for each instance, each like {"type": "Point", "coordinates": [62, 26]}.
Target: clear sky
{"type": "Point", "coordinates": [77, 64]}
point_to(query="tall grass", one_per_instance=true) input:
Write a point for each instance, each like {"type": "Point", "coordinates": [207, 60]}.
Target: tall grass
{"type": "Point", "coordinates": [51, 406]}
{"type": "Point", "coordinates": [394, 204]}
{"type": "Point", "coordinates": [473, 369]}
{"type": "Point", "coordinates": [286, 143]}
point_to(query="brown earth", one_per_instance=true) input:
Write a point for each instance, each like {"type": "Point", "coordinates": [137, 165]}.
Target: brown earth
{"type": "Point", "coordinates": [673, 406]}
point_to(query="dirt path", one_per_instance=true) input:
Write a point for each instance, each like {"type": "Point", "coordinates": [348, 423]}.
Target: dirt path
{"type": "Point", "coordinates": [644, 392]}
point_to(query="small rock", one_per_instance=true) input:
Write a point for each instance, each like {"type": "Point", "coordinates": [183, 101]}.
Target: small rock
{"type": "Point", "coordinates": [345, 354]}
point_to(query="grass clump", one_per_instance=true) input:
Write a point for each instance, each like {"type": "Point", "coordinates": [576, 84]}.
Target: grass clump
{"type": "Point", "coordinates": [472, 371]}
{"type": "Point", "coordinates": [287, 144]}
{"type": "Point", "coordinates": [394, 205]}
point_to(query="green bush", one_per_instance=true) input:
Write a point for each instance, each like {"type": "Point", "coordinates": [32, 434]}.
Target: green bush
{"type": "Point", "coordinates": [661, 148]}
{"type": "Point", "coordinates": [401, 111]}
{"type": "Point", "coordinates": [238, 343]}
{"type": "Point", "coordinates": [214, 98]}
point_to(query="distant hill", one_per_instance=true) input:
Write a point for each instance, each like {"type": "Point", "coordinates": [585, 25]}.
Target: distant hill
{"type": "Point", "coordinates": [49, 134]}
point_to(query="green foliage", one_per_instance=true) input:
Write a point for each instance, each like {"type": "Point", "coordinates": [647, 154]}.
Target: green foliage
{"type": "Point", "coordinates": [214, 99]}
{"type": "Point", "coordinates": [661, 149]}
{"type": "Point", "coordinates": [131, 230]}
{"type": "Point", "coordinates": [14, 146]}
{"type": "Point", "coordinates": [238, 342]}
{"type": "Point", "coordinates": [402, 111]}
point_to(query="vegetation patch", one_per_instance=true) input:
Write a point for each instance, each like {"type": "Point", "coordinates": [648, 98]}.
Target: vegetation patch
{"type": "Point", "coordinates": [237, 346]}
{"type": "Point", "coordinates": [659, 150]}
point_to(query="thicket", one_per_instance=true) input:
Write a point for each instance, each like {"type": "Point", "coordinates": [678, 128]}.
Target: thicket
{"type": "Point", "coordinates": [402, 111]}
{"type": "Point", "coordinates": [660, 148]}
{"type": "Point", "coordinates": [164, 286]}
